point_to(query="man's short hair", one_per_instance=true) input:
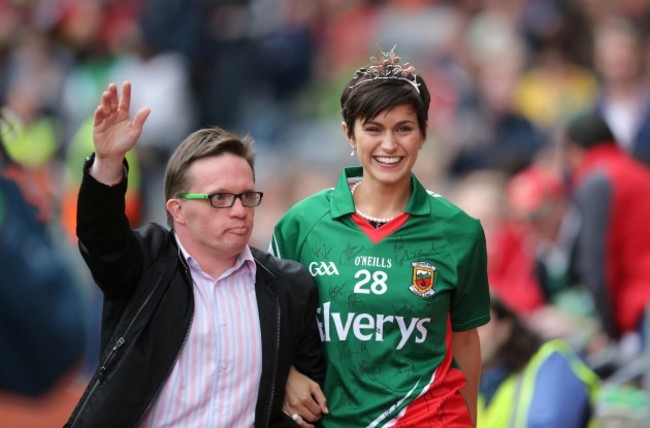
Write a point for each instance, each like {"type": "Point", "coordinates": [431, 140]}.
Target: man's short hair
{"type": "Point", "coordinates": [588, 130]}
{"type": "Point", "coordinates": [200, 144]}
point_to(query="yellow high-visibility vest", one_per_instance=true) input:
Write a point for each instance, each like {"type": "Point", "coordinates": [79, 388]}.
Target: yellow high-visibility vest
{"type": "Point", "coordinates": [510, 405]}
{"type": "Point", "coordinates": [32, 145]}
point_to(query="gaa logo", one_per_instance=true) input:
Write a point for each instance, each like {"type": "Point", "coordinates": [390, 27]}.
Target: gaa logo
{"type": "Point", "coordinates": [323, 268]}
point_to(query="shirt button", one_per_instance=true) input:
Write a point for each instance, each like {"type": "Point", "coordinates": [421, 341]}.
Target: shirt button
{"type": "Point", "coordinates": [224, 323]}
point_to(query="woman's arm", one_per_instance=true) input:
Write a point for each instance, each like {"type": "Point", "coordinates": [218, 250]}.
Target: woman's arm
{"type": "Point", "coordinates": [467, 353]}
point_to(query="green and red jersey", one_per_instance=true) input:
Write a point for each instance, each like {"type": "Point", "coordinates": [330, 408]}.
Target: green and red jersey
{"type": "Point", "coordinates": [389, 299]}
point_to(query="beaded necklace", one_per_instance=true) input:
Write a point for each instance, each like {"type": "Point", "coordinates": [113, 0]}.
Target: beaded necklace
{"type": "Point", "coordinates": [376, 220]}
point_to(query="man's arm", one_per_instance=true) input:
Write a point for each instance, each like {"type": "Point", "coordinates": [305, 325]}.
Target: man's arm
{"type": "Point", "coordinates": [467, 353]}
{"type": "Point", "coordinates": [593, 200]}
{"type": "Point", "coordinates": [303, 394]}
{"type": "Point", "coordinates": [109, 250]}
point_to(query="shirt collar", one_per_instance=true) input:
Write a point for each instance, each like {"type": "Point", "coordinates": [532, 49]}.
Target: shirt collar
{"type": "Point", "coordinates": [342, 202]}
{"type": "Point", "coordinates": [244, 258]}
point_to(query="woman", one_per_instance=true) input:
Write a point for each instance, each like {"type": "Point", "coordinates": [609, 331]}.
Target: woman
{"type": "Point", "coordinates": [401, 272]}
{"type": "Point", "coordinates": [527, 382]}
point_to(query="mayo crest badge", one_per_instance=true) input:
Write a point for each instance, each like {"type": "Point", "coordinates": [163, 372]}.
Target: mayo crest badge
{"type": "Point", "coordinates": [423, 276]}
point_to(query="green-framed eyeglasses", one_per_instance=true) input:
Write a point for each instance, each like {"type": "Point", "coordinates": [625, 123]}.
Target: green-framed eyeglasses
{"type": "Point", "coordinates": [227, 200]}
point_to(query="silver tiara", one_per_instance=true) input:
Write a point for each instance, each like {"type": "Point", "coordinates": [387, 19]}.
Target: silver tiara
{"type": "Point", "coordinates": [386, 66]}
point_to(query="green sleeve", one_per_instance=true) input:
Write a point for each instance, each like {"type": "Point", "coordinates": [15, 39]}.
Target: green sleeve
{"type": "Point", "coordinates": [470, 306]}
{"type": "Point", "coordinates": [285, 238]}
{"type": "Point", "coordinates": [291, 231]}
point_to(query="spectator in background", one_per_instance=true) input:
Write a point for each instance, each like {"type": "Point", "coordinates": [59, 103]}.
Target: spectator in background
{"type": "Point", "coordinates": [527, 201]}
{"type": "Point", "coordinates": [283, 47]}
{"type": "Point", "coordinates": [530, 229]}
{"type": "Point", "coordinates": [545, 227]}
{"type": "Point", "coordinates": [482, 195]}
{"type": "Point", "coordinates": [42, 314]}
{"type": "Point", "coordinates": [42, 328]}
{"type": "Point", "coordinates": [610, 190]}
{"type": "Point", "coordinates": [538, 204]}
{"type": "Point", "coordinates": [30, 143]}
{"type": "Point", "coordinates": [527, 382]}
{"type": "Point", "coordinates": [32, 132]}
{"type": "Point", "coordinates": [490, 132]}
{"type": "Point", "coordinates": [624, 101]}
{"type": "Point", "coordinates": [557, 82]}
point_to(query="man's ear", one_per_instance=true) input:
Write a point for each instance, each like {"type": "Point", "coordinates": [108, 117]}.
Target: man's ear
{"type": "Point", "coordinates": [175, 209]}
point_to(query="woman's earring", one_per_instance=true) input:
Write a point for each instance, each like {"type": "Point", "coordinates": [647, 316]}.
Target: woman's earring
{"type": "Point", "coordinates": [352, 152]}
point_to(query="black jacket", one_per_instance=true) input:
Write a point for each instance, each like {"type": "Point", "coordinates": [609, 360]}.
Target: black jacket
{"type": "Point", "coordinates": [148, 310]}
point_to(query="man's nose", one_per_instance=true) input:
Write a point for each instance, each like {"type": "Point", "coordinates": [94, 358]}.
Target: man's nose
{"type": "Point", "coordinates": [238, 209]}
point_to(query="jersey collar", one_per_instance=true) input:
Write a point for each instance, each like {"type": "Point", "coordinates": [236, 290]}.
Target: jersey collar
{"type": "Point", "coordinates": [342, 203]}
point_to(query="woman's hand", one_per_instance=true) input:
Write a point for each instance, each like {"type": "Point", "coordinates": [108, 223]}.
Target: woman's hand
{"type": "Point", "coordinates": [304, 401]}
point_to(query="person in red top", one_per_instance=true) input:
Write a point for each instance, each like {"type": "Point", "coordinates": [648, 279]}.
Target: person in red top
{"type": "Point", "coordinates": [610, 189]}
{"type": "Point", "coordinates": [529, 264]}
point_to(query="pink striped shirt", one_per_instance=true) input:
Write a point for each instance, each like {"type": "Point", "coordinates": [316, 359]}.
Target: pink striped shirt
{"type": "Point", "coordinates": [216, 378]}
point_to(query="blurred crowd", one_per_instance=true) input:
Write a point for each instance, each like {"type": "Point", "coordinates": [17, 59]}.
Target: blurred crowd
{"type": "Point", "coordinates": [506, 78]}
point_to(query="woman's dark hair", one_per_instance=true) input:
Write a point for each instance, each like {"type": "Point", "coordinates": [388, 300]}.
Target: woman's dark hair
{"type": "Point", "coordinates": [364, 98]}
{"type": "Point", "coordinates": [522, 344]}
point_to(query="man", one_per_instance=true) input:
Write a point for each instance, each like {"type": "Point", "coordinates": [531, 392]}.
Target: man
{"type": "Point", "coordinates": [610, 189]}
{"type": "Point", "coordinates": [198, 328]}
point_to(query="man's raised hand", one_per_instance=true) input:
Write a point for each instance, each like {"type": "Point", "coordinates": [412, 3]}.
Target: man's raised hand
{"type": "Point", "coordinates": [114, 133]}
